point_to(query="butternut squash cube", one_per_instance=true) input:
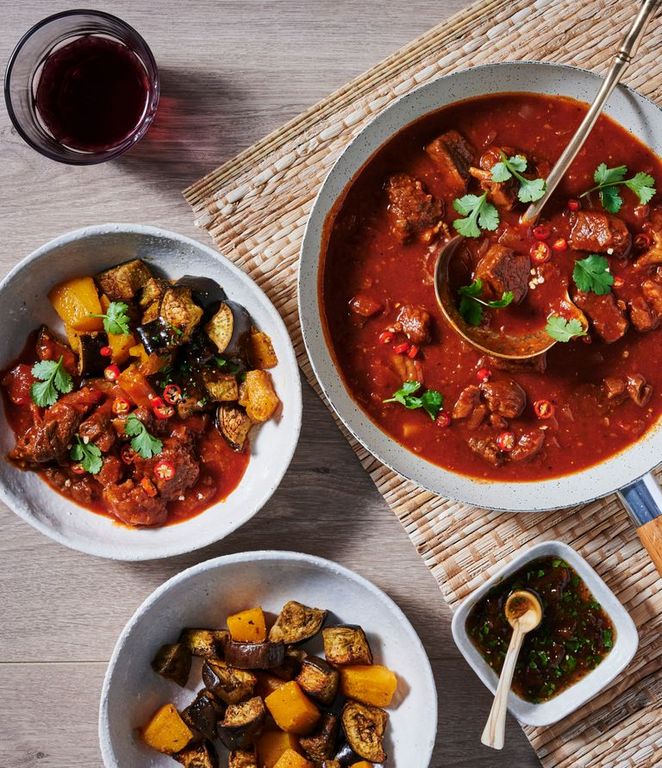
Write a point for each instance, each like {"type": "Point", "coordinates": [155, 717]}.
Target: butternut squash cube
{"type": "Point", "coordinates": [258, 396]}
{"type": "Point", "coordinates": [292, 710]}
{"type": "Point", "coordinates": [248, 626]}
{"type": "Point", "coordinates": [75, 300]}
{"type": "Point", "coordinates": [166, 731]}
{"type": "Point", "coordinates": [272, 744]}
{"type": "Point", "coordinates": [292, 759]}
{"type": "Point", "coordinates": [362, 764]}
{"type": "Point", "coordinates": [369, 684]}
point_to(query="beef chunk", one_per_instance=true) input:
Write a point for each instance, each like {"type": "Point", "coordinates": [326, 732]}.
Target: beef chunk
{"type": "Point", "coordinates": [639, 389]}
{"type": "Point", "coordinates": [414, 322]}
{"type": "Point", "coordinates": [415, 214]}
{"type": "Point", "coordinates": [614, 389]}
{"type": "Point", "coordinates": [529, 444]}
{"type": "Point", "coordinates": [365, 305]}
{"type": "Point", "coordinates": [652, 290]}
{"type": "Point", "coordinates": [502, 194]}
{"type": "Point", "coordinates": [653, 228]}
{"type": "Point", "coordinates": [505, 398]}
{"type": "Point", "coordinates": [606, 318]}
{"type": "Point", "coordinates": [179, 450]}
{"type": "Point", "coordinates": [600, 233]}
{"type": "Point", "coordinates": [487, 449]}
{"type": "Point", "coordinates": [111, 472]}
{"type": "Point", "coordinates": [501, 269]}
{"type": "Point", "coordinates": [49, 347]}
{"type": "Point", "coordinates": [537, 364]}
{"type": "Point", "coordinates": [98, 429]}
{"type": "Point", "coordinates": [642, 316]}
{"type": "Point", "coordinates": [131, 504]}
{"type": "Point", "coordinates": [467, 401]}
{"type": "Point", "coordinates": [453, 155]}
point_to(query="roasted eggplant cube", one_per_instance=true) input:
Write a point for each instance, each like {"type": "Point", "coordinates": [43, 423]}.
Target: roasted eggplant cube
{"type": "Point", "coordinates": [206, 291]}
{"type": "Point", "coordinates": [233, 423]}
{"type": "Point", "coordinates": [203, 713]}
{"type": "Point", "coordinates": [122, 283]}
{"type": "Point", "coordinates": [198, 756]}
{"type": "Point", "coordinates": [297, 623]}
{"type": "Point", "coordinates": [173, 661]}
{"type": "Point", "coordinates": [229, 329]}
{"type": "Point", "coordinates": [221, 387]}
{"type": "Point", "coordinates": [158, 337]}
{"type": "Point", "coordinates": [242, 758]}
{"type": "Point", "coordinates": [254, 655]}
{"type": "Point", "coordinates": [364, 728]}
{"type": "Point", "coordinates": [330, 764]}
{"type": "Point", "coordinates": [291, 665]}
{"type": "Point", "coordinates": [242, 723]}
{"type": "Point", "coordinates": [226, 683]}
{"type": "Point", "coordinates": [151, 297]}
{"type": "Point", "coordinates": [346, 645]}
{"type": "Point", "coordinates": [179, 310]}
{"type": "Point", "coordinates": [207, 643]}
{"type": "Point", "coordinates": [318, 679]}
{"type": "Point", "coordinates": [90, 360]}
{"type": "Point", "coordinates": [321, 744]}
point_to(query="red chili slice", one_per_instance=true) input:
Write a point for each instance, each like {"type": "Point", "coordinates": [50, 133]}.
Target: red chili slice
{"type": "Point", "coordinates": [112, 373]}
{"type": "Point", "coordinates": [172, 394]}
{"type": "Point", "coordinates": [148, 486]}
{"type": "Point", "coordinates": [413, 351]}
{"type": "Point", "coordinates": [574, 205]}
{"type": "Point", "coordinates": [121, 406]}
{"type": "Point", "coordinates": [78, 469]}
{"type": "Point", "coordinates": [386, 337]}
{"type": "Point", "coordinates": [505, 441]}
{"type": "Point", "coordinates": [164, 470]}
{"type": "Point", "coordinates": [560, 245]}
{"type": "Point", "coordinates": [483, 374]}
{"type": "Point", "coordinates": [540, 253]}
{"type": "Point", "coordinates": [161, 410]}
{"type": "Point", "coordinates": [443, 420]}
{"type": "Point", "coordinates": [400, 349]}
{"type": "Point", "coordinates": [541, 231]}
{"type": "Point", "coordinates": [544, 409]}
{"type": "Point", "coordinates": [127, 454]}
{"type": "Point", "coordinates": [618, 282]}
{"type": "Point", "coordinates": [106, 351]}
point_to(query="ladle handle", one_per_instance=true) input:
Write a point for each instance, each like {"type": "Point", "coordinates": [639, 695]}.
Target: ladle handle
{"type": "Point", "coordinates": [623, 57]}
{"type": "Point", "coordinates": [495, 727]}
{"type": "Point", "coordinates": [643, 502]}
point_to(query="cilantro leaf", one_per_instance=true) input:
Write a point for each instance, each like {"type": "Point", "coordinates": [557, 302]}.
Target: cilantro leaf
{"type": "Point", "coordinates": [608, 180]}
{"type": "Point", "coordinates": [592, 275]}
{"type": "Point", "coordinates": [87, 455]}
{"type": "Point", "coordinates": [561, 329]}
{"type": "Point", "coordinates": [643, 186]}
{"type": "Point", "coordinates": [500, 172]}
{"type": "Point", "coordinates": [53, 381]}
{"type": "Point", "coordinates": [530, 190]}
{"type": "Point", "coordinates": [611, 199]}
{"type": "Point", "coordinates": [430, 401]}
{"type": "Point", "coordinates": [142, 442]}
{"type": "Point", "coordinates": [116, 319]}
{"type": "Point", "coordinates": [471, 305]}
{"type": "Point", "coordinates": [604, 175]}
{"type": "Point", "coordinates": [478, 214]}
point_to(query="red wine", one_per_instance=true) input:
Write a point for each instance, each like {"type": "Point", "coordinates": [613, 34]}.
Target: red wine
{"type": "Point", "coordinates": [92, 93]}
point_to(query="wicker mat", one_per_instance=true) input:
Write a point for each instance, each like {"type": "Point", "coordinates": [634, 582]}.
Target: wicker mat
{"type": "Point", "coordinates": [255, 208]}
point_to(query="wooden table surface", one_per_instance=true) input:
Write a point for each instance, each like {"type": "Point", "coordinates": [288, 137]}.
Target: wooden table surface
{"type": "Point", "coordinates": [231, 72]}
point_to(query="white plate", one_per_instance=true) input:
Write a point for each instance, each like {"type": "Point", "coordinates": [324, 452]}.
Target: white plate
{"type": "Point", "coordinates": [203, 596]}
{"type": "Point", "coordinates": [24, 306]}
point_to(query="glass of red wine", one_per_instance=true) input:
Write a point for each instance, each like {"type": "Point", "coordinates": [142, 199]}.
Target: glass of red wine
{"type": "Point", "coordinates": [81, 87]}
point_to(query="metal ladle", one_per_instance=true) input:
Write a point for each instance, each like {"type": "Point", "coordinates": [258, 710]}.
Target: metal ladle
{"type": "Point", "coordinates": [535, 343]}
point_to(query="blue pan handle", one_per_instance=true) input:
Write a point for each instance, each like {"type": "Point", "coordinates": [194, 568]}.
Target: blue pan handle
{"type": "Point", "coordinates": [643, 502]}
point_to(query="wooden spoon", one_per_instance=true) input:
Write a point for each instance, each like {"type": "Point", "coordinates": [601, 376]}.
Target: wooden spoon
{"type": "Point", "coordinates": [524, 612]}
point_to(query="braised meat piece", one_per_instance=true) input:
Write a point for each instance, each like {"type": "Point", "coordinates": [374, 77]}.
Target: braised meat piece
{"type": "Point", "coordinates": [503, 194]}
{"type": "Point", "coordinates": [606, 318]}
{"type": "Point", "coordinates": [111, 471]}
{"type": "Point", "coordinates": [642, 316]}
{"type": "Point", "coordinates": [652, 290]}
{"type": "Point", "coordinates": [365, 305]}
{"type": "Point", "coordinates": [98, 429]}
{"type": "Point", "coordinates": [600, 232]}
{"type": "Point", "coordinates": [415, 214]}
{"type": "Point", "coordinates": [505, 398]}
{"type": "Point", "coordinates": [653, 228]}
{"type": "Point", "coordinates": [415, 323]}
{"type": "Point", "coordinates": [639, 390]}
{"type": "Point", "coordinates": [614, 389]}
{"type": "Point", "coordinates": [49, 347]}
{"type": "Point", "coordinates": [529, 444]}
{"type": "Point", "coordinates": [453, 155]}
{"type": "Point", "coordinates": [178, 450]}
{"type": "Point", "coordinates": [501, 269]}
{"type": "Point", "coordinates": [467, 401]}
{"type": "Point", "coordinates": [131, 504]}
{"type": "Point", "coordinates": [487, 449]}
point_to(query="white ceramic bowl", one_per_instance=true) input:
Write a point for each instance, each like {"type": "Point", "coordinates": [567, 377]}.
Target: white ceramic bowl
{"type": "Point", "coordinates": [637, 114]}
{"type": "Point", "coordinates": [24, 306]}
{"type": "Point", "coordinates": [625, 643]}
{"type": "Point", "coordinates": [203, 596]}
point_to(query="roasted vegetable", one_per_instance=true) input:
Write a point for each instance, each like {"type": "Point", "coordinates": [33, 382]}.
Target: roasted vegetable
{"type": "Point", "coordinates": [179, 311]}
{"type": "Point", "coordinates": [258, 396]}
{"type": "Point", "coordinates": [254, 655]}
{"type": "Point", "coordinates": [228, 684]}
{"type": "Point", "coordinates": [136, 387]}
{"type": "Point", "coordinates": [318, 679]}
{"type": "Point", "coordinates": [371, 684]}
{"type": "Point", "coordinates": [364, 728]}
{"type": "Point", "coordinates": [221, 387]}
{"type": "Point", "coordinates": [362, 764]}
{"type": "Point", "coordinates": [90, 360]}
{"type": "Point", "coordinates": [292, 710]}
{"type": "Point", "coordinates": [208, 643]}
{"type": "Point", "coordinates": [329, 764]}
{"type": "Point", "coordinates": [199, 756]}
{"type": "Point", "coordinates": [272, 744]}
{"type": "Point", "coordinates": [205, 290]}
{"type": "Point", "coordinates": [173, 662]}
{"type": "Point", "coordinates": [242, 723]}
{"type": "Point", "coordinates": [122, 283]}
{"type": "Point", "coordinates": [346, 756]}
{"type": "Point", "coordinates": [150, 299]}
{"type": "Point", "coordinates": [267, 683]}
{"type": "Point", "coordinates": [346, 645]}
{"type": "Point", "coordinates": [233, 423]}
{"type": "Point", "coordinates": [166, 731]}
{"type": "Point", "coordinates": [158, 336]}
{"type": "Point", "coordinates": [203, 713]}
{"type": "Point", "coordinates": [75, 301]}
{"type": "Point", "coordinates": [321, 744]}
{"type": "Point", "coordinates": [248, 626]}
{"type": "Point", "coordinates": [297, 623]}
{"type": "Point", "coordinates": [291, 665]}
{"type": "Point", "coordinates": [261, 352]}
{"type": "Point", "coordinates": [229, 329]}
{"type": "Point", "coordinates": [292, 759]}
{"type": "Point", "coordinates": [241, 758]}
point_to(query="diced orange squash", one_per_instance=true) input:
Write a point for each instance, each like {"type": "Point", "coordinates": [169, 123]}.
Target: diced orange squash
{"type": "Point", "coordinates": [370, 684]}
{"type": "Point", "coordinates": [362, 764]}
{"type": "Point", "coordinates": [73, 337]}
{"type": "Point", "coordinates": [139, 351]}
{"type": "Point", "coordinates": [292, 759]}
{"type": "Point", "coordinates": [267, 684]}
{"type": "Point", "coordinates": [136, 386]}
{"type": "Point", "coordinates": [260, 350]}
{"type": "Point", "coordinates": [166, 731]}
{"type": "Point", "coordinates": [248, 626]}
{"type": "Point", "coordinates": [75, 300]}
{"type": "Point", "coordinates": [272, 744]}
{"type": "Point", "coordinates": [121, 345]}
{"type": "Point", "coordinates": [291, 709]}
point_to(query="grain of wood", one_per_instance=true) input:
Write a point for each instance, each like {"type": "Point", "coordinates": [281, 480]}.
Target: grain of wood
{"type": "Point", "coordinates": [231, 72]}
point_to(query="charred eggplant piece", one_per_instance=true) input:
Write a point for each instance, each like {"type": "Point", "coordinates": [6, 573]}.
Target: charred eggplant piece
{"type": "Point", "coordinates": [254, 655]}
{"type": "Point", "coordinates": [318, 679]}
{"type": "Point", "coordinates": [233, 423]}
{"type": "Point", "coordinates": [345, 756]}
{"type": "Point", "coordinates": [199, 756]}
{"type": "Point", "coordinates": [158, 337]}
{"type": "Point", "coordinates": [221, 387]}
{"type": "Point", "coordinates": [321, 744]}
{"type": "Point", "coordinates": [208, 643]}
{"type": "Point", "coordinates": [179, 311]}
{"type": "Point", "coordinates": [90, 360]}
{"type": "Point", "coordinates": [151, 297]}
{"type": "Point", "coordinates": [173, 661]}
{"type": "Point", "coordinates": [330, 764]}
{"type": "Point", "coordinates": [122, 283]}
{"type": "Point", "coordinates": [226, 683]}
{"type": "Point", "coordinates": [364, 728]}
{"type": "Point", "coordinates": [346, 645]}
{"type": "Point", "coordinates": [203, 713]}
{"type": "Point", "coordinates": [242, 723]}
{"type": "Point", "coordinates": [291, 665]}
{"type": "Point", "coordinates": [229, 329]}
{"type": "Point", "coordinates": [297, 623]}
{"type": "Point", "coordinates": [241, 758]}
{"type": "Point", "coordinates": [205, 291]}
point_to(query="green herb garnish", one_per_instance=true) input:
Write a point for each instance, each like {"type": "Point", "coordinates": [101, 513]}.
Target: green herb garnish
{"type": "Point", "coordinates": [607, 638]}
{"type": "Point", "coordinates": [87, 455]}
{"type": "Point", "coordinates": [478, 214]}
{"type": "Point", "coordinates": [229, 366]}
{"type": "Point", "coordinates": [592, 275]}
{"type": "Point", "coordinates": [431, 401]}
{"type": "Point", "coordinates": [471, 305]}
{"type": "Point", "coordinates": [530, 190]}
{"type": "Point", "coordinates": [142, 442]}
{"type": "Point", "coordinates": [116, 319]}
{"type": "Point", "coordinates": [53, 381]}
{"type": "Point", "coordinates": [561, 329]}
{"type": "Point", "coordinates": [607, 181]}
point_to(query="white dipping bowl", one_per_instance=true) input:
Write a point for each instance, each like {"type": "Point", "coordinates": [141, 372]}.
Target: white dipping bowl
{"type": "Point", "coordinates": [203, 596]}
{"type": "Point", "coordinates": [24, 306]}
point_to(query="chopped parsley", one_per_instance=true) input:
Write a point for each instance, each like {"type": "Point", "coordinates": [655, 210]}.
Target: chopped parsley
{"type": "Point", "coordinates": [87, 455]}
{"type": "Point", "coordinates": [229, 366]}
{"type": "Point", "coordinates": [592, 275]}
{"type": "Point", "coordinates": [53, 381]}
{"type": "Point", "coordinates": [116, 319]}
{"type": "Point", "coordinates": [530, 190]}
{"type": "Point", "coordinates": [561, 329]}
{"type": "Point", "coordinates": [142, 442]}
{"type": "Point", "coordinates": [608, 181]}
{"type": "Point", "coordinates": [471, 305]}
{"type": "Point", "coordinates": [430, 401]}
{"type": "Point", "coordinates": [478, 214]}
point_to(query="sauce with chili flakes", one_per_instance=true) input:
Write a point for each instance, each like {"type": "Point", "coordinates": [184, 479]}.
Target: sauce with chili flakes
{"type": "Point", "coordinates": [368, 274]}
{"type": "Point", "coordinates": [574, 636]}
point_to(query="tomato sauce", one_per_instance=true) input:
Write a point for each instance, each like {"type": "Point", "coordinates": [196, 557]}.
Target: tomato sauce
{"type": "Point", "coordinates": [361, 255]}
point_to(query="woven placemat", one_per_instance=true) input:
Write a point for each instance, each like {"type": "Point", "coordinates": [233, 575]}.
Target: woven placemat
{"type": "Point", "coordinates": [255, 208]}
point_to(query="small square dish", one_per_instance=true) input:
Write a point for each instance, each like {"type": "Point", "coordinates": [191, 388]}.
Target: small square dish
{"type": "Point", "coordinates": [625, 640]}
